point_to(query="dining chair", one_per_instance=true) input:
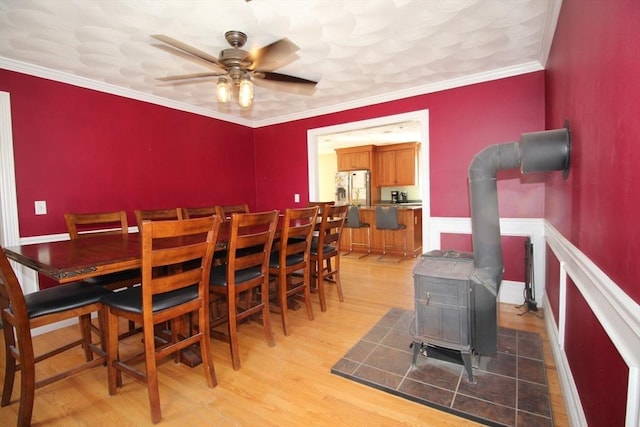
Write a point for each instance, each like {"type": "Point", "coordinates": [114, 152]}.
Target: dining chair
{"type": "Point", "coordinates": [290, 254]}
{"type": "Point", "coordinates": [157, 215]}
{"type": "Point", "coordinates": [225, 211]}
{"type": "Point", "coordinates": [325, 247]}
{"type": "Point", "coordinates": [321, 205]}
{"type": "Point", "coordinates": [387, 220]}
{"type": "Point", "coordinates": [172, 287]}
{"type": "Point", "coordinates": [330, 202]}
{"type": "Point", "coordinates": [87, 225]}
{"type": "Point", "coordinates": [21, 313]}
{"type": "Point", "coordinates": [188, 213]}
{"type": "Point", "coordinates": [242, 281]}
{"type": "Point", "coordinates": [353, 222]}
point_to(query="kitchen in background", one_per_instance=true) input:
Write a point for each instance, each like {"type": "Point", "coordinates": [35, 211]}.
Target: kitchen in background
{"type": "Point", "coordinates": [388, 134]}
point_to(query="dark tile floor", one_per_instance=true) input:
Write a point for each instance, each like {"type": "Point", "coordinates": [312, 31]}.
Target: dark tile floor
{"type": "Point", "coordinates": [510, 389]}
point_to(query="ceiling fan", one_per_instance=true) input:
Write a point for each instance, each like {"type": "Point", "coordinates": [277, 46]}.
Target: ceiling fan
{"type": "Point", "coordinates": [236, 67]}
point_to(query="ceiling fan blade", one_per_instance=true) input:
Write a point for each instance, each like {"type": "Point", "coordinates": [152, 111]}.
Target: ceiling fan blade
{"type": "Point", "coordinates": [272, 52]}
{"type": "Point", "coordinates": [293, 88]}
{"type": "Point", "coordinates": [273, 62]}
{"type": "Point", "coordinates": [189, 76]}
{"type": "Point", "coordinates": [188, 49]}
{"type": "Point", "coordinates": [172, 50]}
{"type": "Point", "coordinates": [283, 78]}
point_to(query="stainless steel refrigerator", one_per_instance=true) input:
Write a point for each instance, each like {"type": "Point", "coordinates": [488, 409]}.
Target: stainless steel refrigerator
{"type": "Point", "coordinates": [353, 188]}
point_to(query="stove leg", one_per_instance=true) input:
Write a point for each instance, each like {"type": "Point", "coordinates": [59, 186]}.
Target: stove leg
{"type": "Point", "coordinates": [417, 346]}
{"type": "Point", "coordinates": [466, 358]}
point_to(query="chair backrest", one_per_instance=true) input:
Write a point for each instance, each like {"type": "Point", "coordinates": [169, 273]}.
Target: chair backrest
{"type": "Point", "coordinates": [188, 213]}
{"type": "Point", "coordinates": [178, 243]}
{"type": "Point", "coordinates": [157, 215]}
{"type": "Point", "coordinates": [353, 217]}
{"type": "Point", "coordinates": [331, 225]}
{"type": "Point", "coordinates": [92, 224]}
{"type": "Point", "coordinates": [387, 217]}
{"type": "Point", "coordinates": [225, 211]}
{"type": "Point", "coordinates": [332, 202]}
{"type": "Point", "coordinates": [250, 242]}
{"type": "Point", "coordinates": [12, 301]}
{"type": "Point", "coordinates": [321, 205]}
{"type": "Point", "coordinates": [297, 230]}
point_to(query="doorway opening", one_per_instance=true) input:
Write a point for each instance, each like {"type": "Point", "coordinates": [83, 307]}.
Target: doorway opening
{"type": "Point", "coordinates": [314, 141]}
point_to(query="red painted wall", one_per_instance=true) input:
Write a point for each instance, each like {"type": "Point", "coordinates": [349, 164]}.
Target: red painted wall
{"type": "Point", "coordinates": [86, 151]}
{"type": "Point", "coordinates": [592, 80]}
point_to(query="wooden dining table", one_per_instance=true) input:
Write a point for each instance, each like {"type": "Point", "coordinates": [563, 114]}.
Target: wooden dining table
{"type": "Point", "coordinates": [71, 260]}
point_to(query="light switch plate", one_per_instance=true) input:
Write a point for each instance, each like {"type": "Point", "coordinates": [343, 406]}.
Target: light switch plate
{"type": "Point", "coordinates": [41, 207]}
{"type": "Point", "coordinates": [296, 198]}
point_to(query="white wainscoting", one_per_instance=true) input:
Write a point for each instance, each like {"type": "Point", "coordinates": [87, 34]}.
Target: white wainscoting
{"type": "Point", "coordinates": [614, 309]}
{"type": "Point", "coordinates": [510, 292]}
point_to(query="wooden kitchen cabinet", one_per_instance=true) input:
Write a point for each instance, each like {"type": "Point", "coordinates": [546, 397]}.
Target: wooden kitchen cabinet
{"type": "Point", "coordinates": [355, 158]}
{"type": "Point", "coordinates": [396, 164]}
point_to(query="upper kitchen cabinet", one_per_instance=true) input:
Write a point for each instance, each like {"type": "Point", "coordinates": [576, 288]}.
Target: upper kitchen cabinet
{"type": "Point", "coordinates": [355, 158]}
{"type": "Point", "coordinates": [396, 164]}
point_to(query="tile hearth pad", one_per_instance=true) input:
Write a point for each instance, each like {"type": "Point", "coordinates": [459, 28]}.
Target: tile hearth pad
{"type": "Point", "coordinates": [510, 390]}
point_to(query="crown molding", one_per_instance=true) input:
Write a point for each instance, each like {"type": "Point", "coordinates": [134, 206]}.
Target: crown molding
{"type": "Point", "coordinates": [86, 83]}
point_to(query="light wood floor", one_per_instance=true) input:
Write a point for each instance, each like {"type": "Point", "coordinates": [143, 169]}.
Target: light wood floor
{"type": "Point", "coordinates": [286, 385]}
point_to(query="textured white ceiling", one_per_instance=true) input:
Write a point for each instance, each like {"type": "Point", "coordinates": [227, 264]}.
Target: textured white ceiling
{"type": "Point", "coordinates": [360, 51]}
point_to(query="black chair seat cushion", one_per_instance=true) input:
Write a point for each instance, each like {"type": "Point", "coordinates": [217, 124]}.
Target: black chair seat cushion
{"type": "Point", "coordinates": [114, 278]}
{"type": "Point", "coordinates": [327, 250]}
{"type": "Point", "coordinates": [130, 299]}
{"type": "Point", "coordinates": [293, 259]}
{"type": "Point", "coordinates": [399, 227]}
{"type": "Point", "coordinates": [218, 275]}
{"type": "Point", "coordinates": [62, 298]}
{"type": "Point", "coordinates": [360, 225]}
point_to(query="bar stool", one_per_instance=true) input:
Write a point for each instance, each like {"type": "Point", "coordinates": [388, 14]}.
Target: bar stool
{"type": "Point", "coordinates": [386, 220]}
{"type": "Point", "coordinates": [353, 221]}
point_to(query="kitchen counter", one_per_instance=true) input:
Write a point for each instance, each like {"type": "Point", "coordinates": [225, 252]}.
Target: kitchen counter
{"type": "Point", "coordinates": [398, 205]}
{"type": "Point", "coordinates": [409, 214]}
{"type": "Point", "coordinates": [401, 204]}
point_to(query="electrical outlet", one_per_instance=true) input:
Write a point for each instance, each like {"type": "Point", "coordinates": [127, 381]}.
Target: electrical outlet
{"type": "Point", "coordinates": [41, 207]}
{"type": "Point", "coordinates": [296, 198]}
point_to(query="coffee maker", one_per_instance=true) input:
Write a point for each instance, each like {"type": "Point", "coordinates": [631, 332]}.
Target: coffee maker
{"type": "Point", "coordinates": [403, 197]}
{"type": "Point", "coordinates": [395, 196]}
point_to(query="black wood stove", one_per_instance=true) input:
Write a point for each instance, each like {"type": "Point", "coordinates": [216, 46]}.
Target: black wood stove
{"type": "Point", "coordinates": [456, 292]}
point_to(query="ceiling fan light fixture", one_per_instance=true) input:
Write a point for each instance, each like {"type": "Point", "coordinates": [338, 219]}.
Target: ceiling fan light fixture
{"type": "Point", "coordinates": [245, 91]}
{"type": "Point", "coordinates": [223, 90]}
{"type": "Point", "coordinates": [235, 67]}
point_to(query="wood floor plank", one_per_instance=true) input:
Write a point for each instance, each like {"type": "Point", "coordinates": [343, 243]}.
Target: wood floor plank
{"type": "Point", "coordinates": [289, 384]}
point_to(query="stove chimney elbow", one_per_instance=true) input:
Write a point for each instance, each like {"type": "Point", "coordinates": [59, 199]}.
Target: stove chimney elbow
{"type": "Point", "coordinates": [537, 152]}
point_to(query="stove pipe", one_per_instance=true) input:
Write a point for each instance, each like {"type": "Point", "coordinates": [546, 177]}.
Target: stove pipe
{"type": "Point", "coordinates": [536, 152]}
